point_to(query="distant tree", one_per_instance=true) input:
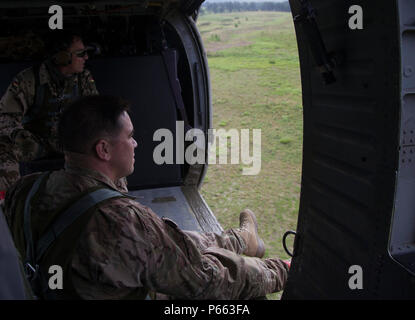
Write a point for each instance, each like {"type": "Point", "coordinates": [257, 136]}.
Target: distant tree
{"type": "Point", "coordinates": [228, 6]}
{"type": "Point", "coordinates": [236, 6]}
{"type": "Point", "coordinates": [244, 6]}
{"type": "Point", "coordinates": [202, 10]}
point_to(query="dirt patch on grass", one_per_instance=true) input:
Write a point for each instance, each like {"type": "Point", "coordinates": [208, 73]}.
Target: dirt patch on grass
{"type": "Point", "coordinates": [217, 46]}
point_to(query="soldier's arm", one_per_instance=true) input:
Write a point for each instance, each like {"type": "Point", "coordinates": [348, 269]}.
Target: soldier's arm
{"type": "Point", "coordinates": [141, 250]}
{"type": "Point", "coordinates": [16, 143]}
{"type": "Point", "coordinates": [14, 104]}
{"type": "Point", "coordinates": [180, 268]}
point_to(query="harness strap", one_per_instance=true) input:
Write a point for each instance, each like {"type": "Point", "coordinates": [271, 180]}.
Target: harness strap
{"type": "Point", "coordinates": [27, 221]}
{"type": "Point", "coordinates": [39, 90]}
{"type": "Point", "coordinates": [63, 221]}
{"type": "Point", "coordinates": [75, 91]}
{"type": "Point", "coordinates": [71, 214]}
{"type": "Point", "coordinates": [39, 97]}
{"type": "Point", "coordinates": [170, 64]}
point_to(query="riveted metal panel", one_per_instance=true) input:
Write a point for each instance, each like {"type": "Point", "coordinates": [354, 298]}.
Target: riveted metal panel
{"type": "Point", "coordinates": [351, 155]}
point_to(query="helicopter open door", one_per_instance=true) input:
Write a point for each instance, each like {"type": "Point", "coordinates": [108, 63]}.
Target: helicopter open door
{"type": "Point", "coordinates": [356, 225]}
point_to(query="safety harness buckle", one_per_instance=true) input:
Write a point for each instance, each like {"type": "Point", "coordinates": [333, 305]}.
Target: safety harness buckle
{"type": "Point", "coordinates": [31, 271]}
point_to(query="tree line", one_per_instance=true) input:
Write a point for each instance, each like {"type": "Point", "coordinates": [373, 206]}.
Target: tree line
{"type": "Point", "coordinates": [220, 7]}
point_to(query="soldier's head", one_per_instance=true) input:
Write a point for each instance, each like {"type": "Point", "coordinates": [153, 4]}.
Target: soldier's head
{"type": "Point", "coordinates": [98, 130]}
{"type": "Point", "coordinates": [67, 51]}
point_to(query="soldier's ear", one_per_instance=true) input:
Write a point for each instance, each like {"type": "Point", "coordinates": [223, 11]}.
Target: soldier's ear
{"type": "Point", "coordinates": [102, 149]}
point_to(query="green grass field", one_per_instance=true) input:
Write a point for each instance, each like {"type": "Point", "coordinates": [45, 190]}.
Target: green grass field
{"type": "Point", "coordinates": [255, 78]}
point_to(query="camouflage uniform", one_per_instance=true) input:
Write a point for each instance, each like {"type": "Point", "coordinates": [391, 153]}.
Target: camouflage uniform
{"type": "Point", "coordinates": [126, 250]}
{"type": "Point", "coordinates": [28, 121]}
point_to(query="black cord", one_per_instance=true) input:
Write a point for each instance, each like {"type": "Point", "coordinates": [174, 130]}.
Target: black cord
{"type": "Point", "coordinates": [284, 239]}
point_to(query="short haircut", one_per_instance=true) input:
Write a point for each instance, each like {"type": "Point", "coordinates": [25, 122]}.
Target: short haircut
{"type": "Point", "coordinates": [89, 119]}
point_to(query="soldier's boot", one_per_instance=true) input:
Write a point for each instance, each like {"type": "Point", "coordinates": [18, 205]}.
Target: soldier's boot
{"type": "Point", "coordinates": [249, 232]}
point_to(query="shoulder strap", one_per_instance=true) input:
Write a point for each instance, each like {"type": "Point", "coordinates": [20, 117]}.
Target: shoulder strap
{"type": "Point", "coordinates": [37, 98]}
{"type": "Point", "coordinates": [62, 223]}
{"type": "Point", "coordinates": [27, 221]}
{"type": "Point", "coordinates": [39, 90]}
{"type": "Point", "coordinates": [170, 63]}
{"type": "Point", "coordinates": [71, 214]}
{"type": "Point", "coordinates": [77, 86]}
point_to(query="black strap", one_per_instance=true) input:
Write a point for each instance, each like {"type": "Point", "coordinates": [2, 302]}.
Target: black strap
{"type": "Point", "coordinates": [75, 91]}
{"type": "Point", "coordinates": [325, 62]}
{"type": "Point", "coordinates": [170, 63]}
{"type": "Point", "coordinates": [39, 90]}
{"type": "Point", "coordinates": [38, 97]}
{"type": "Point", "coordinates": [63, 222]}
{"type": "Point", "coordinates": [27, 221]}
{"type": "Point", "coordinates": [71, 214]}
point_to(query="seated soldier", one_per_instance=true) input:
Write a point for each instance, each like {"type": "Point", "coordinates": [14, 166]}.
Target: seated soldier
{"type": "Point", "coordinates": [118, 248]}
{"type": "Point", "coordinates": [31, 105]}
{"type": "Point", "coordinates": [33, 102]}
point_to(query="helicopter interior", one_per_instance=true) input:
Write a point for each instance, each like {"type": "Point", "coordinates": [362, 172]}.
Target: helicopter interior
{"type": "Point", "coordinates": [356, 203]}
{"type": "Point", "coordinates": [137, 56]}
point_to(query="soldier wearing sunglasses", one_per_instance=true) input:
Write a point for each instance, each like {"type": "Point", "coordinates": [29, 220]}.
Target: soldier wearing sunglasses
{"type": "Point", "coordinates": [32, 105]}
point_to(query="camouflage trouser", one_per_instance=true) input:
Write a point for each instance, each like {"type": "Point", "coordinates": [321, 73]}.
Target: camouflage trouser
{"type": "Point", "coordinates": [229, 240]}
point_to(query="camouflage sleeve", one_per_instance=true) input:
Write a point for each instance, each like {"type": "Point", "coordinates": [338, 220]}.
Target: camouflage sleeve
{"type": "Point", "coordinates": [20, 93]}
{"type": "Point", "coordinates": [88, 87]}
{"type": "Point", "coordinates": [16, 143]}
{"type": "Point", "coordinates": [128, 248]}
{"type": "Point", "coordinates": [15, 102]}
{"type": "Point", "coordinates": [16, 146]}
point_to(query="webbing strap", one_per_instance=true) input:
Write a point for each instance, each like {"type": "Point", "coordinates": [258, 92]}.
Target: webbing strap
{"type": "Point", "coordinates": [170, 64]}
{"type": "Point", "coordinates": [64, 220]}
{"type": "Point", "coordinates": [27, 221]}
{"type": "Point", "coordinates": [71, 214]}
{"type": "Point", "coordinates": [39, 89]}
{"type": "Point", "coordinates": [38, 97]}
{"type": "Point", "coordinates": [75, 91]}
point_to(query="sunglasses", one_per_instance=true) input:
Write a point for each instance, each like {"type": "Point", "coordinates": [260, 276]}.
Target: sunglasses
{"type": "Point", "coordinates": [81, 53]}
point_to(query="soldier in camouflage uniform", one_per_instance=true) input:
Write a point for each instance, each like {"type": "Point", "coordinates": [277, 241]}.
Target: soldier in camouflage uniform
{"type": "Point", "coordinates": [32, 104]}
{"type": "Point", "coordinates": [120, 249]}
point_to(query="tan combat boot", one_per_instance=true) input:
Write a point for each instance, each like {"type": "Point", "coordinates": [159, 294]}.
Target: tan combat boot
{"type": "Point", "coordinates": [249, 232]}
